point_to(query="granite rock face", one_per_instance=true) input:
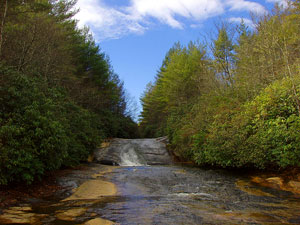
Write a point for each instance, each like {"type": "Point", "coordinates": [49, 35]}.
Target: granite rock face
{"type": "Point", "coordinates": [134, 152]}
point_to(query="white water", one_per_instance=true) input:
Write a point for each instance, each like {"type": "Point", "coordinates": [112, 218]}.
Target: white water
{"type": "Point", "coordinates": [130, 158]}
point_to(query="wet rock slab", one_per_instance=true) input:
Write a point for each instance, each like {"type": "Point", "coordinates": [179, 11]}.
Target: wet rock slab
{"type": "Point", "coordinates": [184, 195]}
{"type": "Point", "coordinates": [168, 194]}
{"type": "Point", "coordinates": [83, 187]}
{"type": "Point", "coordinates": [159, 195]}
{"type": "Point", "coordinates": [135, 151]}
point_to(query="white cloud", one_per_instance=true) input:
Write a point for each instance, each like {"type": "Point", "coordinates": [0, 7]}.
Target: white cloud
{"type": "Point", "coordinates": [111, 22]}
{"type": "Point", "coordinates": [196, 26]}
{"type": "Point", "coordinates": [167, 10]}
{"type": "Point", "coordinates": [282, 3]}
{"type": "Point", "coordinates": [238, 20]}
{"type": "Point", "coordinates": [106, 22]}
{"type": "Point", "coordinates": [242, 5]}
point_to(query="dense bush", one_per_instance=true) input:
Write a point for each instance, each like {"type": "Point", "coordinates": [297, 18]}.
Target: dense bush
{"type": "Point", "coordinates": [40, 129]}
{"type": "Point", "coordinates": [59, 95]}
{"type": "Point", "coordinates": [264, 132]}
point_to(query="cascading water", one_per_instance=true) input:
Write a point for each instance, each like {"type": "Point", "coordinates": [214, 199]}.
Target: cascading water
{"type": "Point", "coordinates": [131, 158]}
{"type": "Point", "coordinates": [134, 152]}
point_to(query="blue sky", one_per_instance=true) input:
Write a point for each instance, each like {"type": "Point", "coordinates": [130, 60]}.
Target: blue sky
{"type": "Point", "coordinates": [136, 34]}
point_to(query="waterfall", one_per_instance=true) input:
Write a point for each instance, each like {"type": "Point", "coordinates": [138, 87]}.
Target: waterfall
{"type": "Point", "coordinates": [131, 158]}
{"type": "Point", "coordinates": [134, 152]}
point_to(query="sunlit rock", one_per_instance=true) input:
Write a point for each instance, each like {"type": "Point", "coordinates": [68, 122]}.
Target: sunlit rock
{"type": "Point", "coordinates": [93, 189]}
{"type": "Point", "coordinates": [277, 183]}
{"type": "Point", "coordinates": [275, 180]}
{"type": "Point", "coordinates": [99, 221]}
{"type": "Point", "coordinates": [20, 215]}
{"type": "Point", "coordinates": [71, 214]}
{"type": "Point", "coordinates": [295, 186]}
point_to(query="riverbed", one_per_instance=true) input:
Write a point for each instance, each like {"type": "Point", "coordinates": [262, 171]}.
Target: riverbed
{"type": "Point", "coordinates": [158, 194]}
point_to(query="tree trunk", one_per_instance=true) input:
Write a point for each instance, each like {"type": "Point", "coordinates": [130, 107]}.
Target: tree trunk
{"type": "Point", "coordinates": [2, 24]}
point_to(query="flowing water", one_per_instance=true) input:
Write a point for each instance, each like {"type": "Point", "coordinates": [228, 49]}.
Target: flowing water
{"type": "Point", "coordinates": [130, 158]}
{"type": "Point", "coordinates": [161, 194]}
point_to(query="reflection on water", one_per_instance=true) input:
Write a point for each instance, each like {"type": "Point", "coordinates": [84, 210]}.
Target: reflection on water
{"type": "Point", "coordinates": [162, 195]}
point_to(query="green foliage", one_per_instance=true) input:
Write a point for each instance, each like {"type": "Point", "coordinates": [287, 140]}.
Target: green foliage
{"type": "Point", "coordinates": [59, 95]}
{"type": "Point", "coordinates": [183, 76]}
{"type": "Point", "coordinates": [239, 108]}
{"type": "Point", "coordinates": [264, 132]}
{"type": "Point", "coordinates": [32, 138]}
{"type": "Point", "coordinates": [224, 57]}
{"type": "Point", "coordinates": [84, 130]}
{"type": "Point", "coordinates": [41, 129]}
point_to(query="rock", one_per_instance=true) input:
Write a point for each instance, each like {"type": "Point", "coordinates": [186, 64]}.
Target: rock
{"type": "Point", "coordinates": [20, 215]}
{"type": "Point", "coordinates": [134, 152]}
{"type": "Point", "coordinates": [252, 190]}
{"type": "Point", "coordinates": [90, 190]}
{"type": "Point", "coordinates": [108, 162]}
{"type": "Point", "coordinates": [257, 180]}
{"type": "Point", "coordinates": [71, 214]}
{"type": "Point", "coordinates": [99, 221]}
{"type": "Point", "coordinates": [275, 181]}
{"type": "Point", "coordinates": [272, 182]}
{"type": "Point", "coordinates": [295, 186]}
{"type": "Point", "coordinates": [90, 158]}
{"type": "Point", "coordinates": [109, 155]}
{"type": "Point", "coordinates": [163, 139]}
{"type": "Point", "coordinates": [105, 144]}
{"type": "Point", "coordinates": [298, 177]}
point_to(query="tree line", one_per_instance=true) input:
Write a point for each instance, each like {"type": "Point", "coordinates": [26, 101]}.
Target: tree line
{"type": "Point", "coordinates": [234, 101]}
{"type": "Point", "coordinates": [59, 95]}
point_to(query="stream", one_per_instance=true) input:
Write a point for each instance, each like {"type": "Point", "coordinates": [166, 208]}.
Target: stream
{"type": "Point", "coordinates": [155, 194]}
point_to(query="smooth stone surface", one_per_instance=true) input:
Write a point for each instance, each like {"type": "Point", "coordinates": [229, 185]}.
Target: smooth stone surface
{"type": "Point", "coordinates": [275, 180]}
{"type": "Point", "coordinates": [71, 214]}
{"type": "Point", "coordinates": [145, 152]}
{"type": "Point", "coordinates": [93, 189]}
{"type": "Point", "coordinates": [20, 215]}
{"type": "Point", "coordinates": [99, 221]}
{"type": "Point", "coordinates": [295, 186]}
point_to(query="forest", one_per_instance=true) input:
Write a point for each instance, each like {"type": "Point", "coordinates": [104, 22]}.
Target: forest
{"type": "Point", "coordinates": [59, 95]}
{"type": "Point", "coordinates": [234, 100]}
{"type": "Point", "coordinates": [231, 101]}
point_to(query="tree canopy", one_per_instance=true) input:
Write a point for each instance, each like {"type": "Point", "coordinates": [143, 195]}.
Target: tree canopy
{"type": "Point", "coordinates": [236, 104]}
{"type": "Point", "coordinates": [59, 95]}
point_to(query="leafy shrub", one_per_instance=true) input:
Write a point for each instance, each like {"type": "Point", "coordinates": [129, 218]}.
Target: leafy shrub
{"type": "Point", "coordinates": [264, 132]}
{"type": "Point", "coordinates": [40, 129]}
{"type": "Point", "coordinates": [84, 130]}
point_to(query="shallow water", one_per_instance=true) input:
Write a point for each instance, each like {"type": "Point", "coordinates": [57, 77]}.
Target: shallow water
{"type": "Point", "coordinates": [98, 194]}
{"type": "Point", "coordinates": [160, 195]}
{"type": "Point", "coordinates": [177, 195]}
